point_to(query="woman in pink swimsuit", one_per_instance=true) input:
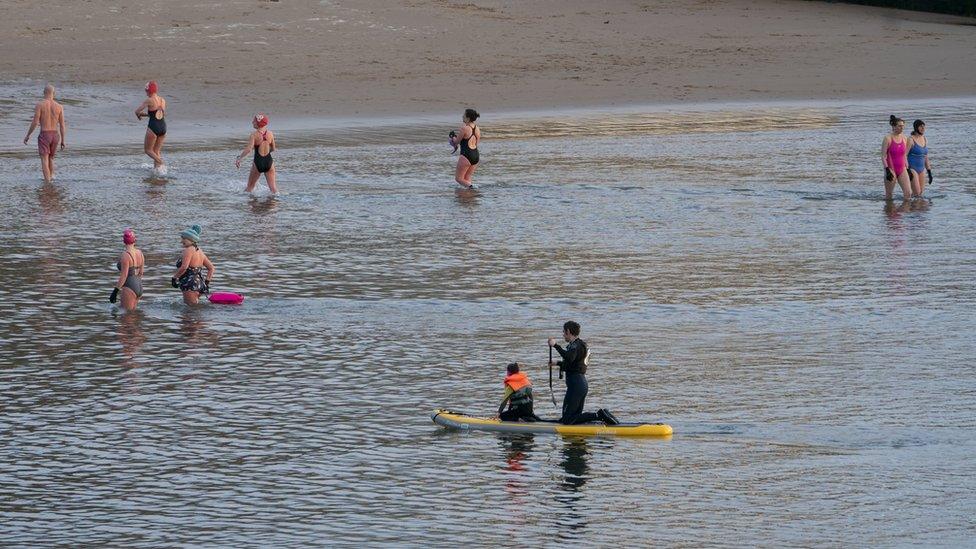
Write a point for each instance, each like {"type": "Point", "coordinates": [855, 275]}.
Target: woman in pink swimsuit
{"type": "Point", "coordinates": [894, 157]}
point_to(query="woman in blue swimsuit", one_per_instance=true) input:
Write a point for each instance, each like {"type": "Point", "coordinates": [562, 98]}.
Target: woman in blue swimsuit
{"type": "Point", "coordinates": [918, 159]}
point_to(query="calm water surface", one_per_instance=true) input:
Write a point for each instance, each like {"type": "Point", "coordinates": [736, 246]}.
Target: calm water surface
{"type": "Point", "coordinates": [734, 269]}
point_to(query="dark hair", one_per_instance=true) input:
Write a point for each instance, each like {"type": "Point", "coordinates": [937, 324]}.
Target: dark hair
{"type": "Point", "coordinates": [572, 327]}
{"type": "Point", "coordinates": [894, 120]}
{"type": "Point", "coordinates": [513, 368]}
{"type": "Point", "coordinates": [916, 125]}
{"type": "Point", "coordinates": [471, 114]}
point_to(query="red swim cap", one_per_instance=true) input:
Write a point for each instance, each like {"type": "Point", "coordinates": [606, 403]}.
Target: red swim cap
{"type": "Point", "coordinates": [151, 87]}
{"type": "Point", "coordinates": [128, 236]}
{"type": "Point", "coordinates": [261, 120]}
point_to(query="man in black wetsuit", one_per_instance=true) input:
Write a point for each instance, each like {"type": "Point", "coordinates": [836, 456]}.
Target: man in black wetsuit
{"type": "Point", "coordinates": [574, 361]}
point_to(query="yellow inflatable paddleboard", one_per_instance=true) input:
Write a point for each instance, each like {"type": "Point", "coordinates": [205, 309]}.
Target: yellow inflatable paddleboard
{"type": "Point", "coordinates": [461, 422]}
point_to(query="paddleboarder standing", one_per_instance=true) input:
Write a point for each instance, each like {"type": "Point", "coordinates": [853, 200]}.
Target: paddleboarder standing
{"type": "Point", "coordinates": [575, 358]}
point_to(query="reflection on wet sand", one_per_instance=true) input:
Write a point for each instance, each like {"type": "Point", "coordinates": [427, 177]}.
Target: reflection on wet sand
{"type": "Point", "coordinates": [517, 449]}
{"type": "Point", "coordinates": [467, 197]}
{"type": "Point", "coordinates": [48, 249]}
{"type": "Point", "coordinates": [131, 336]}
{"type": "Point", "coordinates": [194, 328]}
{"type": "Point", "coordinates": [51, 198]}
{"type": "Point", "coordinates": [574, 464]}
{"type": "Point", "coordinates": [155, 188]}
{"type": "Point", "coordinates": [894, 208]}
{"type": "Point", "coordinates": [262, 205]}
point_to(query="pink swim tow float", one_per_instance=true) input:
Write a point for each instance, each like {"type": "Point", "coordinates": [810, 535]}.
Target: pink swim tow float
{"type": "Point", "coordinates": [226, 298]}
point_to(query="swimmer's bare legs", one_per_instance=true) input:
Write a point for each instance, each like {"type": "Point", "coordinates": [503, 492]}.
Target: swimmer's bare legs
{"type": "Point", "coordinates": [468, 174]}
{"type": "Point", "coordinates": [47, 167]}
{"type": "Point", "coordinates": [463, 172]}
{"type": "Point", "coordinates": [129, 299]}
{"type": "Point", "coordinates": [906, 185]}
{"type": "Point", "coordinates": [919, 182]}
{"type": "Point", "coordinates": [252, 179]}
{"type": "Point", "coordinates": [149, 147]}
{"type": "Point", "coordinates": [272, 179]}
{"type": "Point", "coordinates": [889, 189]}
{"type": "Point", "coordinates": [191, 298]}
{"type": "Point", "coordinates": [158, 148]}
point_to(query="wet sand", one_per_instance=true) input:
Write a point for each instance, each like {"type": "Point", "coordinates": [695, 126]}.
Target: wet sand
{"type": "Point", "coordinates": [338, 58]}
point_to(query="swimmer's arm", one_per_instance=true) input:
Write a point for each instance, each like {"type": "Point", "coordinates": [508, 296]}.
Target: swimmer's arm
{"type": "Point", "coordinates": [456, 140]}
{"type": "Point", "coordinates": [124, 262]}
{"type": "Point", "coordinates": [247, 150]}
{"type": "Point", "coordinates": [209, 266]}
{"type": "Point", "coordinates": [508, 395]}
{"type": "Point", "coordinates": [884, 151]}
{"type": "Point", "coordinates": [185, 264]}
{"type": "Point", "coordinates": [34, 122]}
{"type": "Point", "coordinates": [142, 268]}
{"type": "Point", "coordinates": [274, 143]}
{"type": "Point", "coordinates": [62, 125]}
{"type": "Point", "coordinates": [141, 111]}
{"type": "Point", "coordinates": [566, 354]}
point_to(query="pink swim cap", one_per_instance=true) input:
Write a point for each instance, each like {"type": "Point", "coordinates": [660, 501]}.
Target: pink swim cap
{"type": "Point", "coordinates": [261, 120]}
{"type": "Point", "coordinates": [151, 87]}
{"type": "Point", "coordinates": [128, 236]}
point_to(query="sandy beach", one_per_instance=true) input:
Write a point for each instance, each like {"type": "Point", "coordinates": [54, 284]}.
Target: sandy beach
{"type": "Point", "coordinates": [379, 58]}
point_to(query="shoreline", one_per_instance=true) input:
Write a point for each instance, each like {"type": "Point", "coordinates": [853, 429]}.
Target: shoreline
{"type": "Point", "coordinates": [609, 120]}
{"type": "Point", "coordinates": [372, 59]}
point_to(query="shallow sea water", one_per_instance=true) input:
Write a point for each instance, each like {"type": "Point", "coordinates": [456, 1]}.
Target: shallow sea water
{"type": "Point", "coordinates": [734, 269]}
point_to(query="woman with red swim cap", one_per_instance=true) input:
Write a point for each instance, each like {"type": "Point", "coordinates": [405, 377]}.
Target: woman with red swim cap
{"type": "Point", "coordinates": [262, 142]}
{"type": "Point", "coordinates": [154, 107]}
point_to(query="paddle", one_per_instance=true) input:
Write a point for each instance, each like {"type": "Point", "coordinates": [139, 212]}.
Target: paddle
{"type": "Point", "coordinates": [552, 393]}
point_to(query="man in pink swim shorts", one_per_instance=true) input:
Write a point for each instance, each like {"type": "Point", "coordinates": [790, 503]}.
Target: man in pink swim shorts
{"type": "Point", "coordinates": [49, 114]}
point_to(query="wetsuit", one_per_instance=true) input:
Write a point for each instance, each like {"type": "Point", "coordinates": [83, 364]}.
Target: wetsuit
{"type": "Point", "coordinates": [467, 151]}
{"type": "Point", "coordinates": [574, 364]}
{"type": "Point", "coordinates": [133, 281]}
{"type": "Point", "coordinates": [158, 127]}
{"type": "Point", "coordinates": [263, 163]}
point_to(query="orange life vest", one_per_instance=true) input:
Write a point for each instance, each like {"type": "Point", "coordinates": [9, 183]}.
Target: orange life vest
{"type": "Point", "coordinates": [517, 380]}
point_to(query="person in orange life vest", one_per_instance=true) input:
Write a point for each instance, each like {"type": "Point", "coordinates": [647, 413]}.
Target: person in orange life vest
{"type": "Point", "coordinates": [518, 396]}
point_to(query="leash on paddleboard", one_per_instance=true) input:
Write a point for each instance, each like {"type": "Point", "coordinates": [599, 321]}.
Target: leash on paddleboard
{"type": "Point", "coordinates": [552, 394]}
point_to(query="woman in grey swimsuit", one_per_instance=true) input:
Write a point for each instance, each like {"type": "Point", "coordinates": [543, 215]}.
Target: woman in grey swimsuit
{"type": "Point", "coordinates": [131, 265]}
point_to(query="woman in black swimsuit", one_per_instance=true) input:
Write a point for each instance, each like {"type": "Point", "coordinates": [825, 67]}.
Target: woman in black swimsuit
{"type": "Point", "coordinates": [262, 142]}
{"type": "Point", "coordinates": [131, 265]}
{"type": "Point", "coordinates": [154, 107]}
{"type": "Point", "coordinates": [468, 137]}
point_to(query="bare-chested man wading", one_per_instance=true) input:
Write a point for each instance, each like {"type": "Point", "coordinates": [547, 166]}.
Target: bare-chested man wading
{"type": "Point", "coordinates": [50, 115]}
